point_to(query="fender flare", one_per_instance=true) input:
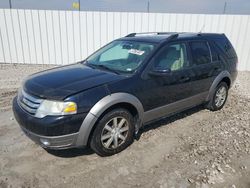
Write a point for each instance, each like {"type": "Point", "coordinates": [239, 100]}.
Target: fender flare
{"type": "Point", "coordinates": [217, 80]}
{"type": "Point", "coordinates": [100, 107]}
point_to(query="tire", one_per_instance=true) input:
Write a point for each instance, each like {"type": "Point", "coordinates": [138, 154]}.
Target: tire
{"type": "Point", "coordinates": [114, 132]}
{"type": "Point", "coordinates": [214, 105]}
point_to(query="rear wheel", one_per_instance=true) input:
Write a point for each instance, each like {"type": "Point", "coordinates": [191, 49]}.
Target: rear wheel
{"type": "Point", "coordinates": [219, 98]}
{"type": "Point", "coordinates": [113, 133]}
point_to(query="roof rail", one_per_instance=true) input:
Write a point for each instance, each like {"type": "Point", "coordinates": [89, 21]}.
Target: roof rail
{"type": "Point", "coordinates": [149, 33]}
{"type": "Point", "coordinates": [173, 36]}
{"type": "Point", "coordinates": [131, 35]}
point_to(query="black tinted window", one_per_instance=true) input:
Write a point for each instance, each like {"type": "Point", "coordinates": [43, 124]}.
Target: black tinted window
{"type": "Point", "coordinates": [172, 57]}
{"type": "Point", "coordinates": [200, 52]}
{"type": "Point", "coordinates": [214, 51]}
{"type": "Point", "coordinates": [226, 47]}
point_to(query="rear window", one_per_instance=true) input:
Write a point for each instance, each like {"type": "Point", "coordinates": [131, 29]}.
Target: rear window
{"type": "Point", "coordinates": [200, 53]}
{"type": "Point", "coordinates": [225, 45]}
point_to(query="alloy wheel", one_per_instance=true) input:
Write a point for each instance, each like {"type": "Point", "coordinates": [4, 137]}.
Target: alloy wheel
{"type": "Point", "coordinates": [220, 96]}
{"type": "Point", "coordinates": [115, 133]}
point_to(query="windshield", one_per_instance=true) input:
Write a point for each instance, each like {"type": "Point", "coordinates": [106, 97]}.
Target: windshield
{"type": "Point", "coordinates": [120, 56]}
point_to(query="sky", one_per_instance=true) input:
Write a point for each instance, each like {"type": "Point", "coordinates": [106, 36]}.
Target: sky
{"type": "Point", "coordinates": [167, 6]}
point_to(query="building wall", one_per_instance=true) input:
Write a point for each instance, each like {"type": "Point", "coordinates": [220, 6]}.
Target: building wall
{"type": "Point", "coordinates": [64, 37]}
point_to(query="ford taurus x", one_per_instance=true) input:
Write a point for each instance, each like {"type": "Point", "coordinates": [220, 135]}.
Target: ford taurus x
{"type": "Point", "coordinates": [104, 100]}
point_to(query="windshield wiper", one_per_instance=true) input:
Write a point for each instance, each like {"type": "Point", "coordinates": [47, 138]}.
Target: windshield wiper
{"type": "Point", "coordinates": [104, 67]}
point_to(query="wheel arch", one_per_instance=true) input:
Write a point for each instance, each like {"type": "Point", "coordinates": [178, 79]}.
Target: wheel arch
{"type": "Point", "coordinates": [227, 80]}
{"type": "Point", "coordinates": [125, 105]}
{"type": "Point", "coordinates": [116, 100]}
{"type": "Point", "coordinates": [223, 76]}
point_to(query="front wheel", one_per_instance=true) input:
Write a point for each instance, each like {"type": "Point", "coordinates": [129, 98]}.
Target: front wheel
{"type": "Point", "coordinates": [219, 98]}
{"type": "Point", "coordinates": [113, 133]}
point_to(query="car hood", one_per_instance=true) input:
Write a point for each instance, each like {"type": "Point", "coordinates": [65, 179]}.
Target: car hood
{"type": "Point", "coordinates": [59, 83]}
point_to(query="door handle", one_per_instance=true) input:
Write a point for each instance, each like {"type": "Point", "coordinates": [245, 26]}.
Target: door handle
{"type": "Point", "coordinates": [184, 79]}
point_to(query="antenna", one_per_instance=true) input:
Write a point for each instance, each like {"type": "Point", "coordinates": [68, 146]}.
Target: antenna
{"type": "Point", "coordinates": [202, 28]}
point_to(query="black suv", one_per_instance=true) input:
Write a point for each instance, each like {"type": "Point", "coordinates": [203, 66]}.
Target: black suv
{"type": "Point", "coordinates": [104, 100]}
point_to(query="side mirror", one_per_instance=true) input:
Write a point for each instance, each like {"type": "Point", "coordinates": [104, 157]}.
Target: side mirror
{"type": "Point", "coordinates": [160, 72]}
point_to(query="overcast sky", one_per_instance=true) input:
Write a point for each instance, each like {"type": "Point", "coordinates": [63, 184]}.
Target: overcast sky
{"type": "Point", "coordinates": [170, 6]}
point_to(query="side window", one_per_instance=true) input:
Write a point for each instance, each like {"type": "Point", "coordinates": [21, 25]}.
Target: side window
{"type": "Point", "coordinates": [200, 53]}
{"type": "Point", "coordinates": [214, 52]}
{"type": "Point", "coordinates": [173, 57]}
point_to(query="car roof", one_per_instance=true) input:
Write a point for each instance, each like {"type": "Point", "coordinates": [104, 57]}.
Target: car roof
{"type": "Point", "coordinates": [159, 37]}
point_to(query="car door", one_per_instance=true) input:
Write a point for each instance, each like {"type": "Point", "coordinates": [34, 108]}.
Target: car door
{"type": "Point", "coordinates": [204, 67]}
{"type": "Point", "coordinates": [166, 82]}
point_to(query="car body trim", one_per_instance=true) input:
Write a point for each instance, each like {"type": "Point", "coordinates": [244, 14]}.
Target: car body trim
{"type": "Point", "coordinates": [56, 142]}
{"type": "Point", "coordinates": [174, 107]}
{"type": "Point", "coordinates": [217, 80]}
{"type": "Point", "coordinates": [100, 107]}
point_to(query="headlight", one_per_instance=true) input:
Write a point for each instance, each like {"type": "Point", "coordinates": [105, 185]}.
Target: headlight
{"type": "Point", "coordinates": [54, 108]}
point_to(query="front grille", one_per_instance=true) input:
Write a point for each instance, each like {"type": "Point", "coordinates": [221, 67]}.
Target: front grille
{"type": "Point", "coordinates": [29, 103]}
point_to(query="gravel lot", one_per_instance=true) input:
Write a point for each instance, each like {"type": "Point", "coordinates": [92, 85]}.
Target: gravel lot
{"type": "Point", "coordinates": [196, 148]}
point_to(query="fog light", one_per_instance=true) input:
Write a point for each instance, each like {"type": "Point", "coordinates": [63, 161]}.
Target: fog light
{"type": "Point", "coordinates": [45, 142]}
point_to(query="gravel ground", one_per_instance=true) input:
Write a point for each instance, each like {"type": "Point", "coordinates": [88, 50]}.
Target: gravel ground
{"type": "Point", "coordinates": [196, 148]}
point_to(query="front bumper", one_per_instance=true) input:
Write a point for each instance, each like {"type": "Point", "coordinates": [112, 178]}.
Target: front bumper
{"type": "Point", "coordinates": [52, 132]}
{"type": "Point", "coordinates": [53, 142]}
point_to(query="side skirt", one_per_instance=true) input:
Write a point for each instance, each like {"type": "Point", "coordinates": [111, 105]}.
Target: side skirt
{"type": "Point", "coordinates": [173, 108]}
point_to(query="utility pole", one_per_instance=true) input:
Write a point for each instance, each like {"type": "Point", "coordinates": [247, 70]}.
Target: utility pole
{"type": "Point", "coordinates": [79, 4]}
{"type": "Point", "coordinates": [148, 7]}
{"type": "Point", "coordinates": [225, 7]}
{"type": "Point", "coordinates": [10, 4]}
